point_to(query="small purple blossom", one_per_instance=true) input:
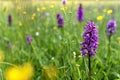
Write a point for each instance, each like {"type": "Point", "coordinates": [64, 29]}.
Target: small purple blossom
{"type": "Point", "coordinates": [80, 13]}
{"type": "Point", "coordinates": [60, 20]}
{"type": "Point", "coordinates": [90, 43]}
{"type": "Point", "coordinates": [9, 45]}
{"type": "Point", "coordinates": [10, 19]}
{"type": "Point", "coordinates": [64, 1]}
{"type": "Point", "coordinates": [111, 27]}
{"type": "Point", "coordinates": [29, 39]}
{"type": "Point", "coordinates": [58, 16]}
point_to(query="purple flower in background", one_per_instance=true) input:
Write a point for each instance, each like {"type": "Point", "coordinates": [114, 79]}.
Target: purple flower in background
{"type": "Point", "coordinates": [9, 45]}
{"type": "Point", "coordinates": [64, 1]}
{"type": "Point", "coordinates": [80, 13]}
{"type": "Point", "coordinates": [60, 20]}
{"type": "Point", "coordinates": [58, 16]}
{"type": "Point", "coordinates": [10, 19]}
{"type": "Point", "coordinates": [90, 43]}
{"type": "Point", "coordinates": [111, 27]}
{"type": "Point", "coordinates": [29, 39]}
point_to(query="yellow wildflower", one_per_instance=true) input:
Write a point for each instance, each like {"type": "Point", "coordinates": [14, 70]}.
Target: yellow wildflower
{"type": "Point", "coordinates": [24, 12]}
{"type": "Point", "coordinates": [18, 1]}
{"type": "Point", "coordinates": [33, 14]}
{"type": "Point", "coordinates": [50, 72]}
{"type": "Point", "coordinates": [63, 8]}
{"type": "Point", "coordinates": [51, 6]}
{"type": "Point", "coordinates": [20, 24]}
{"type": "Point", "coordinates": [109, 11]}
{"type": "Point", "coordinates": [23, 72]}
{"type": "Point", "coordinates": [5, 9]}
{"type": "Point", "coordinates": [53, 2]}
{"type": "Point", "coordinates": [55, 28]}
{"type": "Point", "coordinates": [69, 3]}
{"type": "Point", "coordinates": [99, 18]}
{"type": "Point", "coordinates": [13, 73]}
{"type": "Point", "coordinates": [33, 1]}
{"type": "Point", "coordinates": [118, 40]}
{"type": "Point", "coordinates": [19, 8]}
{"type": "Point", "coordinates": [32, 18]}
{"type": "Point", "coordinates": [38, 9]}
{"type": "Point", "coordinates": [46, 2]}
{"type": "Point", "coordinates": [27, 70]}
{"type": "Point", "coordinates": [1, 56]}
{"type": "Point", "coordinates": [43, 8]}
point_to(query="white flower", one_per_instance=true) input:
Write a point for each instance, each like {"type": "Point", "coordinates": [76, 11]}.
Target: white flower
{"type": "Point", "coordinates": [52, 58]}
{"type": "Point", "coordinates": [47, 14]}
{"type": "Point", "coordinates": [37, 33]}
{"type": "Point", "coordinates": [74, 55]}
{"type": "Point", "coordinates": [60, 37]}
{"type": "Point", "coordinates": [77, 65]}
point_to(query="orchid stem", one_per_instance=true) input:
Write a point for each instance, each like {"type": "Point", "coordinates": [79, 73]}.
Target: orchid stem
{"type": "Point", "coordinates": [89, 67]}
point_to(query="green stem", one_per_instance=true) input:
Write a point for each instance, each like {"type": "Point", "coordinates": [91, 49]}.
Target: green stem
{"type": "Point", "coordinates": [89, 67]}
{"type": "Point", "coordinates": [6, 63]}
{"type": "Point", "coordinates": [1, 74]}
{"type": "Point", "coordinates": [109, 48]}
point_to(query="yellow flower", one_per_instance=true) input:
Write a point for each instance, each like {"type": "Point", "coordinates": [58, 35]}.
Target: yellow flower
{"type": "Point", "coordinates": [43, 8]}
{"type": "Point", "coordinates": [20, 24]}
{"type": "Point", "coordinates": [19, 8]}
{"type": "Point", "coordinates": [69, 2]}
{"type": "Point", "coordinates": [109, 11]}
{"type": "Point", "coordinates": [24, 12]}
{"type": "Point", "coordinates": [99, 18]}
{"type": "Point", "coordinates": [38, 9]}
{"type": "Point", "coordinates": [55, 28]}
{"type": "Point", "coordinates": [118, 40]}
{"type": "Point", "coordinates": [5, 9]}
{"type": "Point", "coordinates": [27, 71]}
{"type": "Point", "coordinates": [46, 2]}
{"type": "Point", "coordinates": [63, 8]}
{"type": "Point", "coordinates": [104, 10]}
{"type": "Point", "coordinates": [13, 73]}
{"type": "Point", "coordinates": [50, 72]}
{"type": "Point", "coordinates": [23, 72]}
{"type": "Point", "coordinates": [33, 14]}
{"type": "Point", "coordinates": [32, 18]}
{"type": "Point", "coordinates": [53, 2]}
{"type": "Point", "coordinates": [18, 1]}
{"type": "Point", "coordinates": [33, 1]}
{"type": "Point", "coordinates": [1, 56]}
{"type": "Point", "coordinates": [51, 6]}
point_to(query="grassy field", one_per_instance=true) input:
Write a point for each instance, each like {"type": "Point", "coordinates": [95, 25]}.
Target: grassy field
{"type": "Point", "coordinates": [54, 53]}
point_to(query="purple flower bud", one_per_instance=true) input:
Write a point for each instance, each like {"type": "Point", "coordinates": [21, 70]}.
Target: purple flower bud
{"type": "Point", "coordinates": [60, 20]}
{"type": "Point", "coordinates": [29, 39]}
{"type": "Point", "coordinates": [9, 45]}
{"type": "Point", "coordinates": [64, 1]}
{"type": "Point", "coordinates": [58, 16]}
{"type": "Point", "coordinates": [111, 27]}
{"type": "Point", "coordinates": [90, 36]}
{"type": "Point", "coordinates": [80, 13]}
{"type": "Point", "coordinates": [9, 19]}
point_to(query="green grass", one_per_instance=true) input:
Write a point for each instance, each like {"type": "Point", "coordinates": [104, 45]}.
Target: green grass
{"type": "Point", "coordinates": [60, 43]}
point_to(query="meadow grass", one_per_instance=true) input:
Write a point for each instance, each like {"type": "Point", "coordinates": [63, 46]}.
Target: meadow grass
{"type": "Point", "coordinates": [57, 46]}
